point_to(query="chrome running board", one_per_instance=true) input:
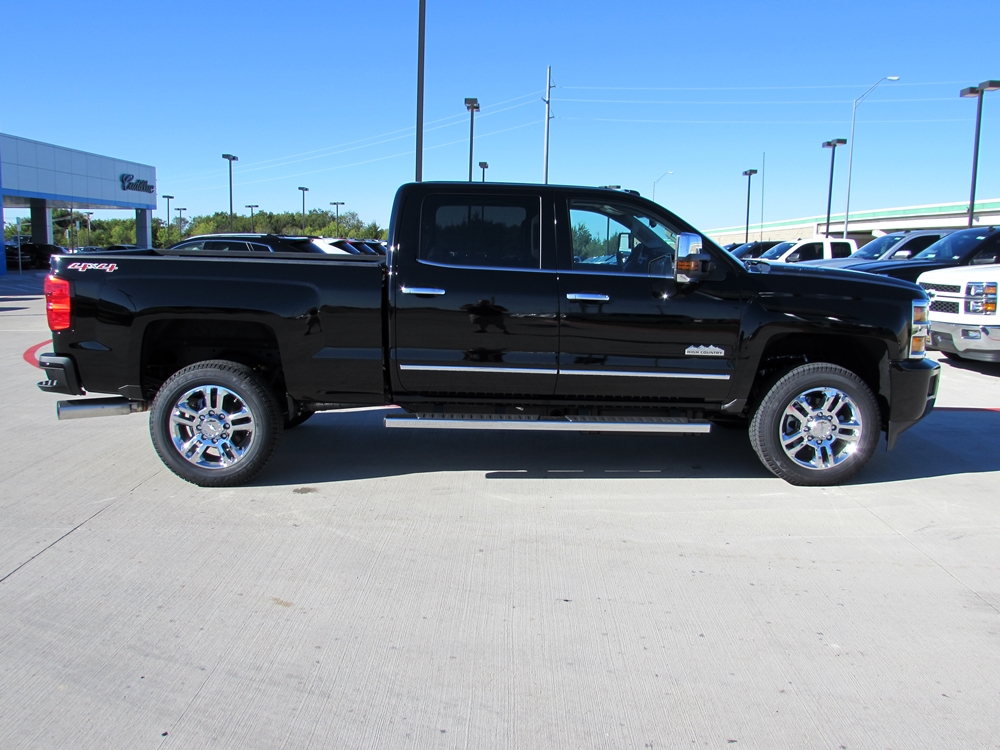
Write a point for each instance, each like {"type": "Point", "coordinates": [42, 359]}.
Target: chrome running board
{"type": "Point", "coordinates": [676, 425]}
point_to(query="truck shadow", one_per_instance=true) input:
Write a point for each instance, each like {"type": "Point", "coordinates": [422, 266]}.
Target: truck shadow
{"type": "Point", "coordinates": [339, 447]}
{"type": "Point", "coordinates": [984, 368]}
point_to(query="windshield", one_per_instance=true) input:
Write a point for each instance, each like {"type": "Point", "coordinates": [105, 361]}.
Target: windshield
{"type": "Point", "coordinates": [777, 251]}
{"type": "Point", "coordinates": [953, 247]}
{"type": "Point", "coordinates": [877, 247]}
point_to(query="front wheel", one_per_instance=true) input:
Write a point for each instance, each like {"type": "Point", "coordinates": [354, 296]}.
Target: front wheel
{"type": "Point", "coordinates": [215, 423]}
{"type": "Point", "coordinates": [818, 425]}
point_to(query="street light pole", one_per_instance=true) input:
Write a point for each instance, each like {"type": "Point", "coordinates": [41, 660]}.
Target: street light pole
{"type": "Point", "coordinates": [230, 158]}
{"type": "Point", "coordinates": [304, 191]}
{"type": "Point", "coordinates": [251, 206]}
{"type": "Point", "coordinates": [749, 175]}
{"type": "Point", "coordinates": [653, 198]}
{"type": "Point", "coordinates": [968, 93]}
{"type": "Point", "coordinates": [472, 104]}
{"type": "Point", "coordinates": [420, 91]}
{"type": "Point", "coordinates": [180, 223]}
{"type": "Point", "coordinates": [336, 205]}
{"type": "Point", "coordinates": [850, 158]}
{"type": "Point", "coordinates": [88, 214]}
{"type": "Point", "coordinates": [548, 118]}
{"type": "Point", "coordinates": [484, 166]}
{"type": "Point", "coordinates": [832, 145]}
{"type": "Point", "coordinates": [168, 197]}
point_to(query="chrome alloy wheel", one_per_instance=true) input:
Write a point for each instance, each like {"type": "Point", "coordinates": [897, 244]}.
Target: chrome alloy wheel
{"type": "Point", "coordinates": [821, 428]}
{"type": "Point", "coordinates": [212, 427]}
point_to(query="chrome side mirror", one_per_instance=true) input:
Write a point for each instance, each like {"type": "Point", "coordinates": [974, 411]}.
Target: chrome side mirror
{"type": "Point", "coordinates": [692, 263]}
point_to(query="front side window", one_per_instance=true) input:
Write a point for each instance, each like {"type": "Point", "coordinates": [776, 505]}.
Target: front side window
{"type": "Point", "coordinates": [877, 247]}
{"type": "Point", "coordinates": [616, 239]}
{"type": "Point", "coordinates": [495, 231]}
{"type": "Point", "coordinates": [777, 251]}
{"type": "Point", "coordinates": [809, 251]}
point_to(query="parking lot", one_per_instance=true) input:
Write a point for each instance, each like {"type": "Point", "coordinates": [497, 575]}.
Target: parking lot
{"type": "Point", "coordinates": [378, 588]}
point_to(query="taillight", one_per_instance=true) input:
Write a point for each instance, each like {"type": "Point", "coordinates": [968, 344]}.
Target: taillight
{"type": "Point", "coordinates": [57, 303]}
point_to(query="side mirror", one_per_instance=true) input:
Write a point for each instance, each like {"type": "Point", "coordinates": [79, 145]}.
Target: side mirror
{"type": "Point", "coordinates": [902, 255]}
{"type": "Point", "coordinates": [692, 263]}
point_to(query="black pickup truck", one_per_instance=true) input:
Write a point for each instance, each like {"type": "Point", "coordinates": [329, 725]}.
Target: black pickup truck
{"type": "Point", "coordinates": [511, 307]}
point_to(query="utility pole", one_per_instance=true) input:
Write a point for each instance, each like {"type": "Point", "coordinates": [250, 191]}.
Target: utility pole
{"type": "Point", "coordinates": [548, 116]}
{"type": "Point", "coordinates": [420, 91]}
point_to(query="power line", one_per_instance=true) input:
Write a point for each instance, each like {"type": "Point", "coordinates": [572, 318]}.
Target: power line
{"type": "Point", "coordinates": [829, 101]}
{"type": "Point", "coordinates": [751, 88]}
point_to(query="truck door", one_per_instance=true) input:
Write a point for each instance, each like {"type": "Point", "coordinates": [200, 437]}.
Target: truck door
{"type": "Point", "coordinates": [475, 307]}
{"type": "Point", "coordinates": [627, 329]}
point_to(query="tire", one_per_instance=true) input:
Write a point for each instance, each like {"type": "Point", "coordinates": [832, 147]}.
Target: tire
{"type": "Point", "coordinates": [215, 423]}
{"type": "Point", "coordinates": [818, 425]}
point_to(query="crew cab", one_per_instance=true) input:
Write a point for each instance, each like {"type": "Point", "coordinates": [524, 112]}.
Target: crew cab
{"type": "Point", "coordinates": [963, 311]}
{"type": "Point", "coordinates": [816, 248]}
{"type": "Point", "coordinates": [506, 307]}
{"type": "Point", "coordinates": [965, 247]}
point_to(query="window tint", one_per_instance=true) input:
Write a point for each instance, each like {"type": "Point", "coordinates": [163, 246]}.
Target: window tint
{"type": "Point", "coordinates": [878, 246]}
{"type": "Point", "coordinates": [989, 255]}
{"type": "Point", "coordinates": [615, 239]}
{"type": "Point", "coordinates": [809, 251]}
{"type": "Point", "coordinates": [777, 251]}
{"type": "Point", "coordinates": [238, 246]}
{"type": "Point", "coordinates": [258, 248]}
{"type": "Point", "coordinates": [920, 243]}
{"type": "Point", "coordinates": [498, 231]}
{"type": "Point", "coordinates": [198, 245]}
{"type": "Point", "coordinates": [840, 249]}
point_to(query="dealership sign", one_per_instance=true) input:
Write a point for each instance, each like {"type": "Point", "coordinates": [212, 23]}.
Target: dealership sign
{"type": "Point", "coordinates": [130, 183]}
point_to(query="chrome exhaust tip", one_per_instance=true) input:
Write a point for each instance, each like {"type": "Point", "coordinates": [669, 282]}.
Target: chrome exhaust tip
{"type": "Point", "coordinates": [98, 407]}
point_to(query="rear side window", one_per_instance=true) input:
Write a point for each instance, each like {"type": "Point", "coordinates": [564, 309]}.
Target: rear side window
{"type": "Point", "coordinates": [229, 246]}
{"type": "Point", "coordinates": [840, 249]}
{"type": "Point", "coordinates": [497, 231]}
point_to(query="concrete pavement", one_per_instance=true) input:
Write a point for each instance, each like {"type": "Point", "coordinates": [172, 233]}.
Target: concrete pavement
{"type": "Point", "coordinates": [396, 589]}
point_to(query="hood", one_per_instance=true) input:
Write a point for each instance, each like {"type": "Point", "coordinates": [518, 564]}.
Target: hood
{"type": "Point", "coordinates": [903, 269]}
{"type": "Point", "coordinates": [962, 273]}
{"type": "Point", "coordinates": [824, 279]}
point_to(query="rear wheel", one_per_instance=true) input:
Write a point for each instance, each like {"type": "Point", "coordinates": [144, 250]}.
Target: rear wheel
{"type": "Point", "coordinates": [215, 423]}
{"type": "Point", "coordinates": [818, 425]}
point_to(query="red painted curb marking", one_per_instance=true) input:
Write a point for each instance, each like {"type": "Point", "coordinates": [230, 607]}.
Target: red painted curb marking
{"type": "Point", "coordinates": [29, 353]}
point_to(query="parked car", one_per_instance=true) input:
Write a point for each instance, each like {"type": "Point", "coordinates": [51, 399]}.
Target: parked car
{"type": "Point", "coordinates": [87, 249]}
{"type": "Point", "coordinates": [754, 248]}
{"type": "Point", "coordinates": [892, 246]}
{"type": "Point", "coordinates": [815, 248]}
{"type": "Point", "coordinates": [251, 243]}
{"type": "Point", "coordinates": [963, 311]}
{"type": "Point", "coordinates": [487, 315]}
{"type": "Point", "coordinates": [978, 247]}
{"type": "Point", "coordinates": [40, 253]}
{"type": "Point", "coordinates": [11, 253]}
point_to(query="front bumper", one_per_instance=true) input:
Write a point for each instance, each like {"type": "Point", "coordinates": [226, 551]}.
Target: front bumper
{"type": "Point", "coordinates": [913, 387]}
{"type": "Point", "coordinates": [967, 340]}
{"type": "Point", "coordinates": [61, 375]}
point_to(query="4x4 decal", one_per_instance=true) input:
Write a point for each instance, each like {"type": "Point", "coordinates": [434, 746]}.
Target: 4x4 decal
{"type": "Point", "coordinates": [109, 267]}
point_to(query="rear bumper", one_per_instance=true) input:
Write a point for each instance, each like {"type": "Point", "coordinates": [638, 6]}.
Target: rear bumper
{"type": "Point", "coordinates": [968, 340]}
{"type": "Point", "coordinates": [913, 387]}
{"type": "Point", "coordinates": [61, 375]}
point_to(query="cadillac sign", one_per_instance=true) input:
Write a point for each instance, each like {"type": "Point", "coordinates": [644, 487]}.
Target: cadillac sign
{"type": "Point", "coordinates": [130, 183]}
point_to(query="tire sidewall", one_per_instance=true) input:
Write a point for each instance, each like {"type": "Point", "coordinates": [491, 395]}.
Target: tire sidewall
{"type": "Point", "coordinates": [247, 385]}
{"type": "Point", "coordinates": [765, 428]}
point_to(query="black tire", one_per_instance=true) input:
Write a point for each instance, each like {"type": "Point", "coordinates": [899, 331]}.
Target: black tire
{"type": "Point", "coordinates": [818, 425]}
{"type": "Point", "coordinates": [300, 416]}
{"type": "Point", "coordinates": [215, 423]}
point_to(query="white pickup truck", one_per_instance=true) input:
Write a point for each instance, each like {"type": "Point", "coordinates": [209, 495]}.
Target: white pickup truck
{"type": "Point", "coordinates": [815, 248]}
{"type": "Point", "coordinates": [963, 311]}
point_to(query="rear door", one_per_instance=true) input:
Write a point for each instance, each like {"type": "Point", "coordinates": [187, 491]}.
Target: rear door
{"type": "Point", "coordinates": [628, 330]}
{"type": "Point", "coordinates": [475, 304]}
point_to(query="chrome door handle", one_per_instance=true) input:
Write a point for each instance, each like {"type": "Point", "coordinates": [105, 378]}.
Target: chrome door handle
{"type": "Point", "coordinates": [422, 290]}
{"type": "Point", "coordinates": [588, 297]}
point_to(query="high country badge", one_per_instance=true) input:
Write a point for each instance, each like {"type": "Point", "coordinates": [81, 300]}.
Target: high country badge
{"type": "Point", "coordinates": [705, 351]}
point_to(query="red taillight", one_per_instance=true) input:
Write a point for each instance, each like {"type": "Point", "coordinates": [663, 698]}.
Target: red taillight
{"type": "Point", "coordinates": [57, 303]}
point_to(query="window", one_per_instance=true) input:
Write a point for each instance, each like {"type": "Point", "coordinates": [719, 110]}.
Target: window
{"type": "Point", "coordinates": [497, 231]}
{"type": "Point", "coordinates": [809, 251]}
{"type": "Point", "coordinates": [198, 245]}
{"type": "Point", "coordinates": [238, 246]}
{"type": "Point", "coordinates": [921, 243]}
{"type": "Point", "coordinates": [840, 249]}
{"type": "Point", "coordinates": [615, 239]}
{"type": "Point", "coordinates": [258, 248]}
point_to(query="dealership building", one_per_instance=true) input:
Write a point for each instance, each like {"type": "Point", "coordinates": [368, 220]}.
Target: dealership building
{"type": "Point", "coordinates": [41, 176]}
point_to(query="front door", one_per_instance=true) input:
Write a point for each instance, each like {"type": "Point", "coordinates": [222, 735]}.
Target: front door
{"type": "Point", "coordinates": [475, 307]}
{"type": "Point", "coordinates": [627, 329]}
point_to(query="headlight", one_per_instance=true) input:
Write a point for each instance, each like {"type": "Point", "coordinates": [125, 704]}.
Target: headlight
{"type": "Point", "coordinates": [919, 330]}
{"type": "Point", "coordinates": [981, 298]}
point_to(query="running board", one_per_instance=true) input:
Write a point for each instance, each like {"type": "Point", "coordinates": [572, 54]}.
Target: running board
{"type": "Point", "coordinates": [676, 425]}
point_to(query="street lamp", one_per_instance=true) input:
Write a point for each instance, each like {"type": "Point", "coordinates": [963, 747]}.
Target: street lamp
{"type": "Point", "coordinates": [969, 93]}
{"type": "Point", "coordinates": [230, 158]}
{"type": "Point", "coordinates": [484, 166]}
{"type": "Point", "coordinates": [180, 223]}
{"type": "Point", "coordinates": [749, 175]}
{"type": "Point", "coordinates": [832, 145]}
{"type": "Point", "coordinates": [471, 104]}
{"type": "Point", "coordinates": [653, 198]}
{"type": "Point", "coordinates": [251, 206]}
{"type": "Point", "coordinates": [850, 158]}
{"type": "Point", "coordinates": [336, 205]}
{"type": "Point", "coordinates": [168, 197]}
{"type": "Point", "coordinates": [88, 214]}
{"type": "Point", "coordinates": [304, 191]}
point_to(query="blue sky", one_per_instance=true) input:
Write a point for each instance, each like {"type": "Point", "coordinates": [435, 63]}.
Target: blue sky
{"type": "Point", "coordinates": [322, 95]}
